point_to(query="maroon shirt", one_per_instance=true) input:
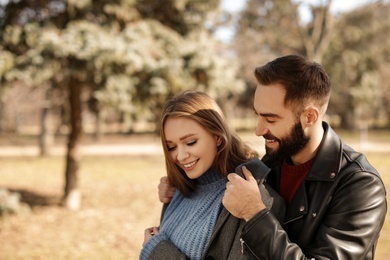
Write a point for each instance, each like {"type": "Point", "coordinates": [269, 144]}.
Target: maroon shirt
{"type": "Point", "coordinates": [291, 177]}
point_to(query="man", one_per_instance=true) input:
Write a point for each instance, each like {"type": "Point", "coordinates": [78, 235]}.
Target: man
{"type": "Point", "coordinates": [336, 201]}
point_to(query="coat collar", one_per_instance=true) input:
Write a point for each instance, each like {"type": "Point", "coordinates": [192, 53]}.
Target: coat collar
{"type": "Point", "coordinates": [325, 168]}
{"type": "Point", "coordinates": [327, 162]}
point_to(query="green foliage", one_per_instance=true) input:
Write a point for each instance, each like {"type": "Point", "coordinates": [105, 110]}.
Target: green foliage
{"type": "Point", "coordinates": [182, 16]}
{"type": "Point", "coordinates": [128, 53]}
{"type": "Point", "coordinates": [6, 62]}
{"type": "Point", "coordinates": [353, 47]}
{"type": "Point", "coordinates": [355, 61]}
{"type": "Point", "coordinates": [275, 28]}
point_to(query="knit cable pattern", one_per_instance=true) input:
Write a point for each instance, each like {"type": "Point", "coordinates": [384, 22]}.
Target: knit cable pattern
{"type": "Point", "coordinates": [189, 221]}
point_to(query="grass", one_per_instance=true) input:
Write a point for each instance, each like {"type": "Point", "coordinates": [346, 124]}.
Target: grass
{"type": "Point", "coordinates": [119, 201]}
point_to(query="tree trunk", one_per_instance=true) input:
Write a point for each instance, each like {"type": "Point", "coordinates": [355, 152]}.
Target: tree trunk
{"type": "Point", "coordinates": [1, 115]}
{"type": "Point", "coordinates": [72, 197]}
{"type": "Point", "coordinates": [45, 136]}
{"type": "Point", "coordinates": [98, 125]}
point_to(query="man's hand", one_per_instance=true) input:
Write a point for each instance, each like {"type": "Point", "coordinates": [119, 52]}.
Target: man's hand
{"type": "Point", "coordinates": [165, 190]}
{"type": "Point", "coordinates": [242, 197]}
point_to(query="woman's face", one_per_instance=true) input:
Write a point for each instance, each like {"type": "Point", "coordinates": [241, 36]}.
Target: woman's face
{"type": "Point", "coordinates": [190, 145]}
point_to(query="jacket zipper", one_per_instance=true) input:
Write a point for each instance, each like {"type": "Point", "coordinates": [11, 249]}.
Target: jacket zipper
{"type": "Point", "coordinates": [242, 248]}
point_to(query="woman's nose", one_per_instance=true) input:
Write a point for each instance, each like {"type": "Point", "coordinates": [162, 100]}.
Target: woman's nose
{"type": "Point", "coordinates": [182, 154]}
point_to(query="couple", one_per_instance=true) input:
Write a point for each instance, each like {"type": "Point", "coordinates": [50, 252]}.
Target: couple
{"type": "Point", "coordinates": [330, 202]}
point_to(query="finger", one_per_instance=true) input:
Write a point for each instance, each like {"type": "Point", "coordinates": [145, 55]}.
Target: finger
{"type": "Point", "coordinates": [164, 179]}
{"type": "Point", "coordinates": [228, 184]}
{"type": "Point", "coordinates": [247, 174]}
{"type": "Point", "coordinates": [147, 235]}
{"type": "Point", "coordinates": [163, 186]}
{"type": "Point", "coordinates": [165, 192]}
{"type": "Point", "coordinates": [165, 200]}
{"type": "Point", "coordinates": [231, 176]}
{"type": "Point", "coordinates": [155, 230]}
{"type": "Point", "coordinates": [224, 200]}
{"type": "Point", "coordinates": [148, 231]}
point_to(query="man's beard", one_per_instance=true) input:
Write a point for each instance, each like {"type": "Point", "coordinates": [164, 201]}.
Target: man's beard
{"type": "Point", "coordinates": [289, 145]}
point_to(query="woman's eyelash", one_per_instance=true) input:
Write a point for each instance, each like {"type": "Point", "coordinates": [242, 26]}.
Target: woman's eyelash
{"type": "Point", "coordinates": [174, 147]}
{"type": "Point", "coordinates": [171, 148]}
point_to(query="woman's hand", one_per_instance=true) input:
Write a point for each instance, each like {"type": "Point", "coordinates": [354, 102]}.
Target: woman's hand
{"type": "Point", "coordinates": [165, 190]}
{"type": "Point", "coordinates": [149, 233]}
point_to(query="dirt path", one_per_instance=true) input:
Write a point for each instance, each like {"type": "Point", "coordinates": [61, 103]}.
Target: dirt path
{"type": "Point", "coordinates": [103, 149]}
{"type": "Point", "coordinates": [151, 146]}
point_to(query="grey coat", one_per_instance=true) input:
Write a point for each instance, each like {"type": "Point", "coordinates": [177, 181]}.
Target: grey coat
{"type": "Point", "coordinates": [225, 242]}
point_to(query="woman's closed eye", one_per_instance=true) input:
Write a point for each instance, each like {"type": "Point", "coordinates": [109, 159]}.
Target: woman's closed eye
{"type": "Point", "coordinates": [171, 148]}
{"type": "Point", "coordinates": [191, 143]}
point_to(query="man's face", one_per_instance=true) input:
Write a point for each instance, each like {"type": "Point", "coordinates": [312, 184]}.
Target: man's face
{"type": "Point", "coordinates": [280, 127]}
{"type": "Point", "coordinates": [289, 144]}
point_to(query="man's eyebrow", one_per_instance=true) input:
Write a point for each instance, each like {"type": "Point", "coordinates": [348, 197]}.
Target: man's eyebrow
{"type": "Point", "coordinates": [269, 115]}
{"type": "Point", "coordinates": [266, 114]}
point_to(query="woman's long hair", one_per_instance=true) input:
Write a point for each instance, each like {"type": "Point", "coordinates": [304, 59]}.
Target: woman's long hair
{"type": "Point", "coordinates": [199, 106]}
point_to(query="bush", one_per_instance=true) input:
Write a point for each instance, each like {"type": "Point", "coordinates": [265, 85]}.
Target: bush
{"type": "Point", "coordinates": [10, 203]}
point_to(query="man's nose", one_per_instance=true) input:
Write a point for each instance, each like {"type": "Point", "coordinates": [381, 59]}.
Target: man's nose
{"type": "Point", "coordinates": [261, 128]}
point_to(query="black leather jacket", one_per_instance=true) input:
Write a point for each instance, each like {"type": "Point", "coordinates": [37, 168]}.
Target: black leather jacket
{"type": "Point", "coordinates": [337, 212]}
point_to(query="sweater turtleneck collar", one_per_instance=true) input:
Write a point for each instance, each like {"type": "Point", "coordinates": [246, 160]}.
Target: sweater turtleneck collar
{"type": "Point", "coordinates": [210, 176]}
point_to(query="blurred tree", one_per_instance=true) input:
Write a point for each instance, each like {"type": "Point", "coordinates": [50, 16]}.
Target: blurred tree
{"type": "Point", "coordinates": [267, 29]}
{"type": "Point", "coordinates": [124, 54]}
{"type": "Point", "coordinates": [358, 62]}
{"type": "Point", "coordinates": [193, 61]}
{"type": "Point", "coordinates": [7, 60]}
{"type": "Point", "coordinates": [353, 47]}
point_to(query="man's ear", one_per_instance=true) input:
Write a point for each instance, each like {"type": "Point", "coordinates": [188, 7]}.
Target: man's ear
{"type": "Point", "coordinates": [311, 116]}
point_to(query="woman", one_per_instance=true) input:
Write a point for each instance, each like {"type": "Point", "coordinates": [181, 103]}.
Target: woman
{"type": "Point", "coordinates": [200, 151]}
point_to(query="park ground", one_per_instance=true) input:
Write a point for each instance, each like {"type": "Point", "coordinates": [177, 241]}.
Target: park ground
{"type": "Point", "coordinates": [118, 182]}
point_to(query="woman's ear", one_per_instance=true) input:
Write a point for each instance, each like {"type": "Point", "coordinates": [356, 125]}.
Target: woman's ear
{"type": "Point", "coordinates": [219, 140]}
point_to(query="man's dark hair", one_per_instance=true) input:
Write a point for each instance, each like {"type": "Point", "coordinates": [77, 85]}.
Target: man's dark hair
{"type": "Point", "coordinates": [302, 79]}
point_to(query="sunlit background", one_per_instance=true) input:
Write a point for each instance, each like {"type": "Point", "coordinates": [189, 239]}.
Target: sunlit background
{"type": "Point", "coordinates": [82, 84]}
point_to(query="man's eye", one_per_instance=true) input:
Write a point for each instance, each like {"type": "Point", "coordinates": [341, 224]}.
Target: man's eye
{"type": "Point", "coordinates": [270, 121]}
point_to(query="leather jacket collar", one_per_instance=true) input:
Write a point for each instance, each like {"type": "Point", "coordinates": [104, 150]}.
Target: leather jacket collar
{"type": "Point", "coordinates": [327, 162]}
{"type": "Point", "coordinates": [325, 165]}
